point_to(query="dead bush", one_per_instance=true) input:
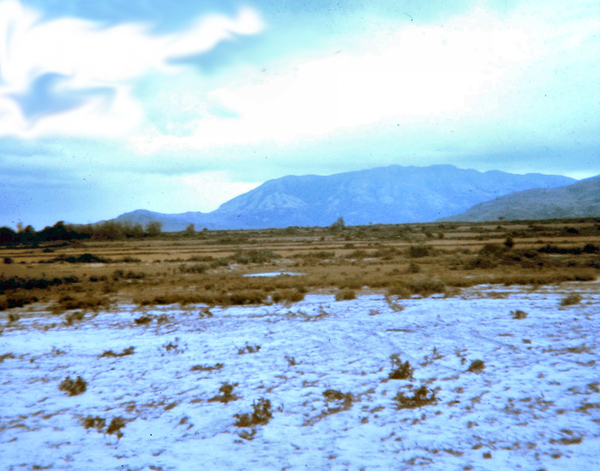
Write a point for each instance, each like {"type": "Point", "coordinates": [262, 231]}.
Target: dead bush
{"type": "Point", "coordinates": [345, 295]}
{"type": "Point", "coordinates": [115, 426]}
{"type": "Point", "coordinates": [343, 401]}
{"type": "Point", "coordinates": [288, 295]}
{"type": "Point", "coordinates": [518, 314]}
{"type": "Point", "coordinates": [418, 251]}
{"type": "Point", "coordinates": [226, 395]}
{"type": "Point", "coordinates": [421, 397]}
{"type": "Point", "coordinates": [476, 366]}
{"type": "Point", "coordinates": [400, 370]}
{"type": "Point", "coordinates": [71, 317]}
{"type": "Point", "coordinates": [260, 416]}
{"type": "Point", "coordinates": [571, 299]}
{"type": "Point", "coordinates": [111, 354]}
{"type": "Point", "coordinates": [73, 388]}
{"type": "Point", "coordinates": [218, 366]}
{"type": "Point", "coordinates": [248, 349]}
{"type": "Point", "coordinates": [94, 422]}
{"type": "Point", "coordinates": [143, 320]}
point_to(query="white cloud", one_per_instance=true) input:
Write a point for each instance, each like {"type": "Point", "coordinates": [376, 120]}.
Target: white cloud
{"type": "Point", "coordinates": [88, 58]}
{"type": "Point", "coordinates": [476, 67]}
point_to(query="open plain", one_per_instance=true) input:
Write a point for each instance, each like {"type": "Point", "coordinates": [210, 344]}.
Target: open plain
{"type": "Point", "coordinates": [442, 346]}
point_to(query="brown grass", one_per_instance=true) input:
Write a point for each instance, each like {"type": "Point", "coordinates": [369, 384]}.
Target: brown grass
{"type": "Point", "coordinates": [208, 269]}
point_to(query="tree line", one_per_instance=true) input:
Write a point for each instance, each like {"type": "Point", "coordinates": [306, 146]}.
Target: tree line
{"type": "Point", "coordinates": [108, 230]}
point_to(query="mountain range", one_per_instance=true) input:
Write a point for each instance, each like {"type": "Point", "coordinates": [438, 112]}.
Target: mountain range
{"type": "Point", "coordinates": [581, 199]}
{"type": "Point", "coordinates": [383, 195]}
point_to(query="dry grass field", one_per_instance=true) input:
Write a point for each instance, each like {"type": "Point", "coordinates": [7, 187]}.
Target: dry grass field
{"type": "Point", "coordinates": [212, 267]}
{"type": "Point", "coordinates": [445, 346]}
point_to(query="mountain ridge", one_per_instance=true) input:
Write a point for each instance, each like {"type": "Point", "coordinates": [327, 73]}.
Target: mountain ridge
{"type": "Point", "coordinates": [581, 199]}
{"type": "Point", "coordinates": [386, 195]}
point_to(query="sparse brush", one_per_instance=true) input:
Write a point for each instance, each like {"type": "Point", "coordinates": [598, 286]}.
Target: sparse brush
{"type": "Point", "coordinates": [111, 354]}
{"type": "Point", "coordinates": [518, 314]}
{"type": "Point", "coordinates": [333, 395]}
{"type": "Point", "coordinates": [73, 388]}
{"type": "Point", "coordinates": [260, 416]}
{"type": "Point", "coordinates": [291, 361]}
{"type": "Point", "coordinates": [289, 295]}
{"type": "Point", "coordinates": [7, 356]}
{"type": "Point", "coordinates": [400, 370]}
{"type": "Point", "coordinates": [68, 303]}
{"type": "Point", "coordinates": [13, 317]}
{"type": "Point", "coordinates": [476, 366]}
{"type": "Point", "coordinates": [71, 317]}
{"type": "Point", "coordinates": [343, 401]}
{"type": "Point", "coordinates": [249, 349]}
{"type": "Point", "coordinates": [571, 300]}
{"type": "Point", "coordinates": [421, 397]}
{"type": "Point", "coordinates": [173, 346]}
{"type": "Point", "coordinates": [418, 251]}
{"type": "Point", "coordinates": [218, 366]}
{"type": "Point", "coordinates": [94, 422]}
{"type": "Point", "coordinates": [143, 320]}
{"type": "Point", "coordinates": [226, 395]}
{"type": "Point", "coordinates": [115, 426]}
{"type": "Point", "coordinates": [345, 295]}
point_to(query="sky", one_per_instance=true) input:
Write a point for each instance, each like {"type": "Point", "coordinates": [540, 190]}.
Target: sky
{"type": "Point", "coordinates": [107, 107]}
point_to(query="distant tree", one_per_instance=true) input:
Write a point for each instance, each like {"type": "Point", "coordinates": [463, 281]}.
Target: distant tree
{"type": "Point", "coordinates": [8, 236]}
{"type": "Point", "coordinates": [27, 235]}
{"type": "Point", "coordinates": [338, 225]}
{"type": "Point", "coordinates": [190, 230]}
{"type": "Point", "coordinates": [153, 228]}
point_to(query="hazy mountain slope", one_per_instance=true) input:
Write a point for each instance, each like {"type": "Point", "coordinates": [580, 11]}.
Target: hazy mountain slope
{"type": "Point", "coordinates": [382, 195]}
{"type": "Point", "coordinates": [390, 195]}
{"type": "Point", "coordinates": [579, 200]}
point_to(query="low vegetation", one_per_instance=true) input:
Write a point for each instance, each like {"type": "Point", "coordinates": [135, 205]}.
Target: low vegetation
{"type": "Point", "coordinates": [73, 387]}
{"type": "Point", "coordinates": [571, 299]}
{"type": "Point", "coordinates": [476, 366]}
{"type": "Point", "coordinates": [260, 415]}
{"type": "Point", "coordinates": [400, 370]}
{"type": "Point", "coordinates": [85, 269]}
{"type": "Point", "coordinates": [421, 397]}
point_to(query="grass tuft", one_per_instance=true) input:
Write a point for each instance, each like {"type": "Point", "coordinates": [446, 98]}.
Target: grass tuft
{"type": "Point", "coordinates": [73, 388]}
{"type": "Point", "coordinates": [421, 397]}
{"type": "Point", "coordinates": [400, 370]}
{"type": "Point", "coordinates": [518, 314]}
{"type": "Point", "coordinates": [571, 300]}
{"type": "Point", "coordinates": [261, 414]}
{"type": "Point", "coordinates": [476, 366]}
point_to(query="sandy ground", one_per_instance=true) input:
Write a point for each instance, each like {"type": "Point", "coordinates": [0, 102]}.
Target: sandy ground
{"type": "Point", "coordinates": [535, 405]}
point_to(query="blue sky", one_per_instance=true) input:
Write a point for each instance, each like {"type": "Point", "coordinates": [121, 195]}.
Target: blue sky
{"type": "Point", "coordinates": [107, 107]}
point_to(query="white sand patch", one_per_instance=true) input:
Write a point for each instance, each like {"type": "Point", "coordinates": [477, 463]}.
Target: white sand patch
{"type": "Point", "coordinates": [535, 405]}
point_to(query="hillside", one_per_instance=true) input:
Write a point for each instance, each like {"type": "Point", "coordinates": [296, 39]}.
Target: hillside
{"type": "Point", "coordinates": [384, 195]}
{"type": "Point", "coordinates": [581, 199]}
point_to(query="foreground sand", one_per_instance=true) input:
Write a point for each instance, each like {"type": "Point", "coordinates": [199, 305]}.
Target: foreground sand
{"type": "Point", "coordinates": [535, 405]}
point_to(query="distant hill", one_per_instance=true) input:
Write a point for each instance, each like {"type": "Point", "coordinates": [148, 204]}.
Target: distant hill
{"type": "Point", "coordinates": [581, 199]}
{"type": "Point", "coordinates": [385, 195]}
